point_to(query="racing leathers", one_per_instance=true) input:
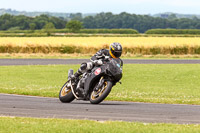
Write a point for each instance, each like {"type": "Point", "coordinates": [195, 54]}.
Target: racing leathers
{"type": "Point", "coordinates": [95, 61]}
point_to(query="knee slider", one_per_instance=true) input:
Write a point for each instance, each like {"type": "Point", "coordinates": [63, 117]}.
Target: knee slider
{"type": "Point", "coordinates": [83, 66]}
{"type": "Point", "coordinates": [89, 65]}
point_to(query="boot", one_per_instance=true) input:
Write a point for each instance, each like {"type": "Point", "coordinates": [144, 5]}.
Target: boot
{"type": "Point", "coordinates": [81, 92]}
{"type": "Point", "coordinates": [79, 89]}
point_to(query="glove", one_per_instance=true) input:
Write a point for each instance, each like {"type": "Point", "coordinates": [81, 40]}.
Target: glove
{"type": "Point", "coordinates": [98, 62]}
{"type": "Point", "coordinates": [107, 57]}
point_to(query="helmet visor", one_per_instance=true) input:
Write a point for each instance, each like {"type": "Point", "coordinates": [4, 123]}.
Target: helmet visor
{"type": "Point", "coordinates": [117, 53]}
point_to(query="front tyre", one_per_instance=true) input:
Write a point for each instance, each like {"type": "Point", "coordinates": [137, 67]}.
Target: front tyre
{"type": "Point", "coordinates": [98, 96]}
{"type": "Point", "coordinates": [66, 95]}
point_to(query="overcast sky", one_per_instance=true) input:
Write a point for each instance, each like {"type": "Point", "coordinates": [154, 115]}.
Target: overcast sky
{"type": "Point", "coordinates": [96, 6]}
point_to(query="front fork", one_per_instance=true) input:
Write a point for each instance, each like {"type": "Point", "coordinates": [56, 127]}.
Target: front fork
{"type": "Point", "coordinates": [73, 90]}
{"type": "Point", "coordinates": [100, 84]}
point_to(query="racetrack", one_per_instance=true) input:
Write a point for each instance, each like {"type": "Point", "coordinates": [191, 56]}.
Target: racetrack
{"type": "Point", "coordinates": [30, 106]}
{"type": "Point", "coordinates": [6, 62]}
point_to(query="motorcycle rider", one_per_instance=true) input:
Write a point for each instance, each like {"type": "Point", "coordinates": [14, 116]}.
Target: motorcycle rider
{"type": "Point", "coordinates": [115, 51]}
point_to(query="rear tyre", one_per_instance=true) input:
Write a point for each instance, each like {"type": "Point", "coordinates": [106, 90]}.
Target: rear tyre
{"type": "Point", "coordinates": [98, 96]}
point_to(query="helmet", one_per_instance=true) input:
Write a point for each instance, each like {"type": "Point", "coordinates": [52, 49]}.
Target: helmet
{"type": "Point", "coordinates": [115, 50]}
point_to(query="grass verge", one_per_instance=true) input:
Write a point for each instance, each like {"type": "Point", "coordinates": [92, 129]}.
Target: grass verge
{"type": "Point", "coordinates": [176, 84]}
{"type": "Point", "coordinates": [24, 125]}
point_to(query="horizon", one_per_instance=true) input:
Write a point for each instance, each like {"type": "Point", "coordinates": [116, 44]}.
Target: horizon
{"type": "Point", "coordinates": [114, 6]}
{"type": "Point", "coordinates": [96, 12]}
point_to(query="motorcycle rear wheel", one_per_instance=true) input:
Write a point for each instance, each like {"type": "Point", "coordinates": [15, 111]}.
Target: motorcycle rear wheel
{"type": "Point", "coordinates": [98, 96]}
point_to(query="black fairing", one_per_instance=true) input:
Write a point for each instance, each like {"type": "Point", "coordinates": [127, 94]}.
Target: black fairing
{"type": "Point", "coordinates": [93, 78]}
{"type": "Point", "coordinates": [111, 69]}
{"type": "Point", "coordinates": [114, 68]}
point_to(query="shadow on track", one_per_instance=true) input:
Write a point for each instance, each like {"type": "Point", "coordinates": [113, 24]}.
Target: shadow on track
{"type": "Point", "coordinates": [103, 103]}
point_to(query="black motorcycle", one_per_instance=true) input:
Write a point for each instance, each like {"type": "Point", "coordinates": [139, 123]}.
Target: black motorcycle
{"type": "Point", "coordinates": [97, 82]}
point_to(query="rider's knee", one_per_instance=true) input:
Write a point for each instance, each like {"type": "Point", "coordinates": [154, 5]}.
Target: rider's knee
{"type": "Point", "coordinates": [89, 65]}
{"type": "Point", "coordinates": [85, 67]}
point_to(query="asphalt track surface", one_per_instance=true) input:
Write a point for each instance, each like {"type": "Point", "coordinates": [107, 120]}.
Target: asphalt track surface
{"type": "Point", "coordinates": [30, 106]}
{"type": "Point", "coordinates": [6, 62]}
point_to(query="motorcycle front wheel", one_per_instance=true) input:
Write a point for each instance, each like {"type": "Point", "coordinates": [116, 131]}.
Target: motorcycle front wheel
{"type": "Point", "coordinates": [98, 96]}
{"type": "Point", "coordinates": [66, 95]}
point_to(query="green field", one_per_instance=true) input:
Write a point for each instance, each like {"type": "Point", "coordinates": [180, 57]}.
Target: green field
{"type": "Point", "coordinates": [32, 125]}
{"type": "Point", "coordinates": [177, 84]}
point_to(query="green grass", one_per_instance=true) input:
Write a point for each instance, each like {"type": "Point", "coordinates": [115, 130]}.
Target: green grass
{"type": "Point", "coordinates": [177, 84]}
{"type": "Point", "coordinates": [32, 125]}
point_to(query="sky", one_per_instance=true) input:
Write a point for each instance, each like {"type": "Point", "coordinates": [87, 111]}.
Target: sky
{"type": "Point", "coordinates": [97, 6]}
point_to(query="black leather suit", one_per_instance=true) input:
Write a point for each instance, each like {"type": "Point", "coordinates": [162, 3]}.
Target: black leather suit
{"type": "Point", "coordinates": [99, 55]}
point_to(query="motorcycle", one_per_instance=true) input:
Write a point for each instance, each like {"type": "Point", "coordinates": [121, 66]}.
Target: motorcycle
{"type": "Point", "coordinates": [97, 83]}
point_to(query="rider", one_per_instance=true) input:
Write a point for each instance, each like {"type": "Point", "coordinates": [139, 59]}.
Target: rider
{"type": "Point", "coordinates": [115, 51]}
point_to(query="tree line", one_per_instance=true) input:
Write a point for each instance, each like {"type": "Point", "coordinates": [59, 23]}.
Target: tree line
{"type": "Point", "coordinates": [21, 22]}
{"type": "Point", "coordinates": [108, 20]}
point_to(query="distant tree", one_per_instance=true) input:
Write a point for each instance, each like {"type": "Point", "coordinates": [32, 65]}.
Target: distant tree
{"type": "Point", "coordinates": [74, 25]}
{"type": "Point", "coordinates": [172, 16]}
{"type": "Point", "coordinates": [14, 28]}
{"type": "Point", "coordinates": [22, 21]}
{"type": "Point", "coordinates": [76, 16]}
{"type": "Point", "coordinates": [40, 21]}
{"type": "Point", "coordinates": [32, 26]}
{"type": "Point", "coordinates": [58, 22]}
{"type": "Point", "coordinates": [7, 21]}
{"type": "Point", "coordinates": [49, 27]}
{"type": "Point", "coordinates": [89, 22]}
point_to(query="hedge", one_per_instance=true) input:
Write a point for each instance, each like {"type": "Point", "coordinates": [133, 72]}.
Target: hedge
{"type": "Point", "coordinates": [88, 31]}
{"type": "Point", "coordinates": [173, 31]}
